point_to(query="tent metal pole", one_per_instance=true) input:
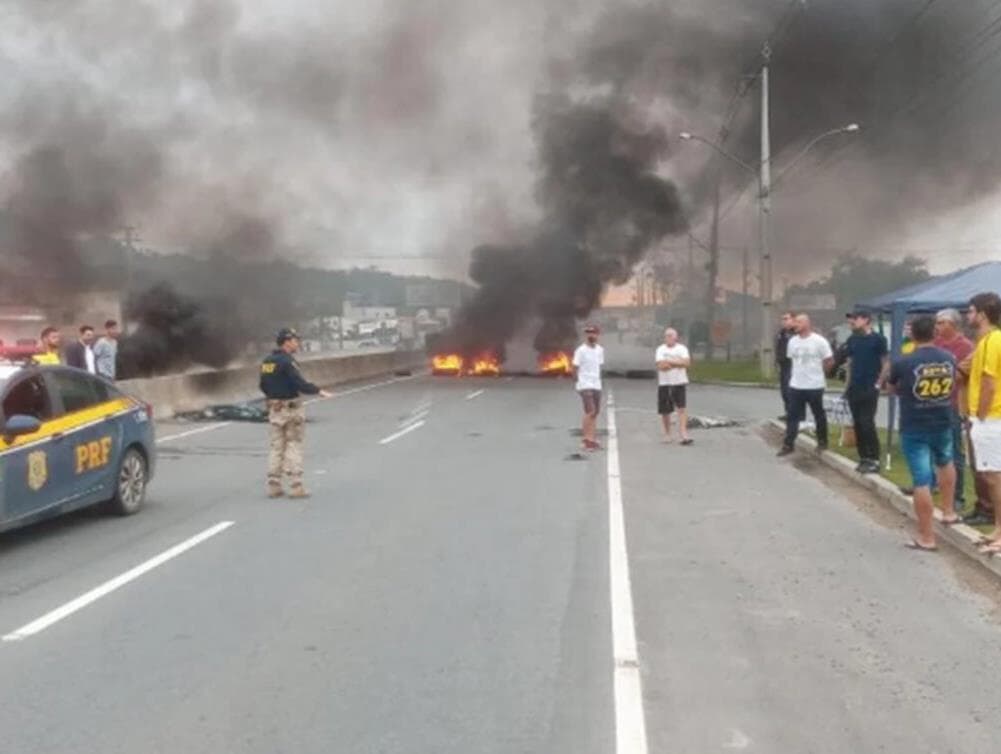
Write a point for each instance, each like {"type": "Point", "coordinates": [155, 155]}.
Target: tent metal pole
{"type": "Point", "coordinates": [896, 343]}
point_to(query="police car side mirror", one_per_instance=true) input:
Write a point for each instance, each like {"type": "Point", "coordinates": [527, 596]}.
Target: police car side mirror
{"type": "Point", "coordinates": [20, 424]}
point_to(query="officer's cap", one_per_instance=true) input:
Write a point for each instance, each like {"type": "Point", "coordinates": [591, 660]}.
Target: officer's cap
{"type": "Point", "coordinates": [286, 334]}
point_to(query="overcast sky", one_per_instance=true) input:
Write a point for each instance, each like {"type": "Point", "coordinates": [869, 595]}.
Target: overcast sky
{"type": "Point", "coordinates": [398, 133]}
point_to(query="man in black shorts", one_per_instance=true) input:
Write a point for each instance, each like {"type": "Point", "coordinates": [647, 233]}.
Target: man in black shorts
{"type": "Point", "coordinates": [673, 360]}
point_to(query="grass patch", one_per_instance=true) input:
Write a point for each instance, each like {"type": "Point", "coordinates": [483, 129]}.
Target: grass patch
{"type": "Point", "coordinates": [745, 370]}
{"type": "Point", "coordinates": [898, 472]}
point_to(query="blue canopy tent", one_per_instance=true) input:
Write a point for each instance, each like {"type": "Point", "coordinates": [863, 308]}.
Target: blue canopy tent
{"type": "Point", "coordinates": [945, 291]}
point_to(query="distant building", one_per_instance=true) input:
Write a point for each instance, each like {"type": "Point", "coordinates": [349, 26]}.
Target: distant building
{"type": "Point", "coordinates": [368, 313]}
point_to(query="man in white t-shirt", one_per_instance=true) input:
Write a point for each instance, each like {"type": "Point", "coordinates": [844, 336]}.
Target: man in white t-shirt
{"type": "Point", "coordinates": [673, 361]}
{"type": "Point", "coordinates": [587, 362]}
{"type": "Point", "coordinates": [812, 359]}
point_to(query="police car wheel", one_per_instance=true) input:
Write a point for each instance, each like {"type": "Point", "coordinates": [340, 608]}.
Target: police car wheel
{"type": "Point", "coordinates": [130, 484]}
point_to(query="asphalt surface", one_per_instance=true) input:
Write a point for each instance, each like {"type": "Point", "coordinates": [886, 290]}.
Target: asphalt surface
{"type": "Point", "coordinates": [447, 589]}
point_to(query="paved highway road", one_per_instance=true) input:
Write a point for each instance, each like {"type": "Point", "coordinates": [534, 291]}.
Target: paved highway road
{"type": "Point", "coordinates": [451, 587]}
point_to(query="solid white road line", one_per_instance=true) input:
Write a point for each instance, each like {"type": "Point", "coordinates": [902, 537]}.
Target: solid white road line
{"type": "Point", "coordinates": [477, 394]}
{"type": "Point", "coordinates": [405, 431]}
{"type": "Point", "coordinates": [220, 425]}
{"type": "Point", "coordinates": [207, 428]}
{"type": "Point", "coordinates": [108, 587]}
{"type": "Point", "coordinates": [630, 724]}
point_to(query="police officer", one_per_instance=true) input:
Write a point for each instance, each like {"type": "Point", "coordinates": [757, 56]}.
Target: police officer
{"type": "Point", "coordinates": [282, 384]}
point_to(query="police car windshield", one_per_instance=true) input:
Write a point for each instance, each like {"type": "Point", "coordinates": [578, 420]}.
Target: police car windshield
{"type": "Point", "coordinates": [6, 372]}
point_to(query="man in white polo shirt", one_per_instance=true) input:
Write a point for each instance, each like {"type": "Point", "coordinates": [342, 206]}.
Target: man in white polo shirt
{"type": "Point", "coordinates": [673, 361]}
{"type": "Point", "coordinates": [811, 358]}
{"type": "Point", "coordinates": [587, 362]}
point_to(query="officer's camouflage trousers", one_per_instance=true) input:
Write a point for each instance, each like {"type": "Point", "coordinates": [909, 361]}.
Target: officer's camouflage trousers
{"type": "Point", "coordinates": [288, 427]}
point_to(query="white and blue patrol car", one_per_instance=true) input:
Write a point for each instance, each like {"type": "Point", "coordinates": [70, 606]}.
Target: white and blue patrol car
{"type": "Point", "coordinates": [69, 440]}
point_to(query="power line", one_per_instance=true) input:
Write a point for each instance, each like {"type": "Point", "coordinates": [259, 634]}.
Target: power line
{"type": "Point", "coordinates": [912, 23]}
{"type": "Point", "coordinates": [746, 82]}
{"type": "Point", "coordinates": [924, 94]}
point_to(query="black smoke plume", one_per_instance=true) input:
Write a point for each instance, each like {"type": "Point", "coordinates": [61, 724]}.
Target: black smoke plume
{"type": "Point", "coordinates": [383, 128]}
{"type": "Point", "coordinates": [918, 76]}
{"type": "Point", "coordinates": [604, 206]}
{"type": "Point", "coordinates": [174, 333]}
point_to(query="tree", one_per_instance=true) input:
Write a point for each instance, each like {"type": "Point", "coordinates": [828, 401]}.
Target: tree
{"type": "Point", "coordinates": [854, 278]}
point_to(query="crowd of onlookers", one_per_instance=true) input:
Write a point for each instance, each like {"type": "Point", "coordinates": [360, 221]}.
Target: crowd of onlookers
{"type": "Point", "coordinates": [945, 377]}
{"type": "Point", "coordinates": [97, 355]}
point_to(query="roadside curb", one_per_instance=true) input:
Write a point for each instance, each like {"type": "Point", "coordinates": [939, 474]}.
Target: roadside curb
{"type": "Point", "coordinates": [961, 537]}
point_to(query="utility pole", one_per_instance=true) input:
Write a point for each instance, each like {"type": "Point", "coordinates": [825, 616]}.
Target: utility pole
{"type": "Point", "coordinates": [743, 300]}
{"type": "Point", "coordinates": [765, 202]}
{"type": "Point", "coordinates": [713, 266]}
{"type": "Point", "coordinates": [689, 287]}
{"type": "Point", "coordinates": [131, 239]}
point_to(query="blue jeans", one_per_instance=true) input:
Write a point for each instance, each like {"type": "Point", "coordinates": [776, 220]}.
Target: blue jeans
{"type": "Point", "coordinates": [923, 450]}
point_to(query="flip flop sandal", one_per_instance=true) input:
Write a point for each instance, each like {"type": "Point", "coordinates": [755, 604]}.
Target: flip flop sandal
{"type": "Point", "coordinates": [951, 521]}
{"type": "Point", "coordinates": [688, 441]}
{"type": "Point", "coordinates": [915, 545]}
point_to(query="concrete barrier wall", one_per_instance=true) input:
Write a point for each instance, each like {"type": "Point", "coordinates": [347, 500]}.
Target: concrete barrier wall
{"type": "Point", "coordinates": [190, 392]}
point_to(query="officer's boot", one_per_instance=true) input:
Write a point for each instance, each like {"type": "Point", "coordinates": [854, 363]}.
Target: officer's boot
{"type": "Point", "coordinates": [275, 489]}
{"type": "Point", "coordinates": [298, 491]}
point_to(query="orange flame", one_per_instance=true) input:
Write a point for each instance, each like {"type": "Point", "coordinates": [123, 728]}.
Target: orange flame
{"type": "Point", "coordinates": [447, 362]}
{"type": "Point", "coordinates": [485, 365]}
{"type": "Point", "coordinates": [556, 363]}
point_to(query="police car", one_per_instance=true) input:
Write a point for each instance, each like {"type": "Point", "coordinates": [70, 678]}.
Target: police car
{"type": "Point", "coordinates": [68, 440]}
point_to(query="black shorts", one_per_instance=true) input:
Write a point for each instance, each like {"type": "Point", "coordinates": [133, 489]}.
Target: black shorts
{"type": "Point", "coordinates": [671, 397]}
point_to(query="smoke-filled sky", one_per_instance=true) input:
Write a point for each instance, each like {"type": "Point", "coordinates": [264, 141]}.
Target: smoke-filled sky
{"type": "Point", "coordinates": [400, 133]}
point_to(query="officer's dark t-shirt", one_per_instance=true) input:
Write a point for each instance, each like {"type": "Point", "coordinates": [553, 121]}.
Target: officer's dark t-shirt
{"type": "Point", "coordinates": [866, 352]}
{"type": "Point", "coordinates": [923, 380]}
{"type": "Point", "coordinates": [281, 379]}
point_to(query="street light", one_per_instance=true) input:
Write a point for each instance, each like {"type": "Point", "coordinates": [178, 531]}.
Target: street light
{"type": "Point", "coordinates": [687, 136]}
{"type": "Point", "coordinates": [849, 129]}
{"type": "Point", "coordinates": [762, 175]}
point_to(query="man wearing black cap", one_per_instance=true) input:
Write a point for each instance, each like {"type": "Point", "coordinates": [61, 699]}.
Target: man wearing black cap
{"type": "Point", "coordinates": [869, 362]}
{"type": "Point", "coordinates": [282, 384]}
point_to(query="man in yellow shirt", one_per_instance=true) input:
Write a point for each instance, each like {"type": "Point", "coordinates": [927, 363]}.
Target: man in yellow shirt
{"type": "Point", "coordinates": [51, 340]}
{"type": "Point", "coordinates": [984, 395]}
{"type": "Point", "coordinates": [908, 346]}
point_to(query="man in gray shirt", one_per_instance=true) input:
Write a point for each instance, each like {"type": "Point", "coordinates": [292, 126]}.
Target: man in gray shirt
{"type": "Point", "coordinates": [106, 350]}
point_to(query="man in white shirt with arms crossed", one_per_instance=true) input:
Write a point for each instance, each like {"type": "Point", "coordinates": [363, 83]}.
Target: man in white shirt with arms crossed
{"type": "Point", "coordinates": [673, 361]}
{"type": "Point", "coordinates": [587, 362]}
{"type": "Point", "coordinates": [811, 358]}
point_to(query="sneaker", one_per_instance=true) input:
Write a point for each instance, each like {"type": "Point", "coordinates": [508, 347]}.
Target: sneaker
{"type": "Point", "coordinates": [785, 451]}
{"type": "Point", "coordinates": [821, 447]}
{"type": "Point", "coordinates": [978, 518]}
{"type": "Point", "coordinates": [869, 467]}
